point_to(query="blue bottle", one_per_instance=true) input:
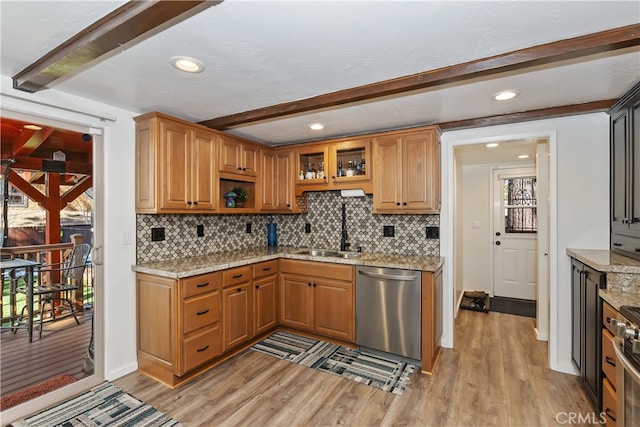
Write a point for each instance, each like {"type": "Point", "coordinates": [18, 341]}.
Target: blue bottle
{"type": "Point", "coordinates": [272, 234]}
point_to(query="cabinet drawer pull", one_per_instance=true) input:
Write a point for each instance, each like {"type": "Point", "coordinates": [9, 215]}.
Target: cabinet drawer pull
{"type": "Point", "coordinates": [610, 361]}
{"type": "Point", "coordinates": [617, 244]}
{"type": "Point", "coordinates": [200, 313]}
{"type": "Point", "coordinates": [266, 269]}
{"type": "Point", "coordinates": [237, 276]}
{"type": "Point", "coordinates": [202, 285]}
{"type": "Point", "coordinates": [610, 414]}
{"type": "Point", "coordinates": [200, 350]}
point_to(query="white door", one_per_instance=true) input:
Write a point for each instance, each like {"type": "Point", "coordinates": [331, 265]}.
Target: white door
{"type": "Point", "coordinates": [515, 255]}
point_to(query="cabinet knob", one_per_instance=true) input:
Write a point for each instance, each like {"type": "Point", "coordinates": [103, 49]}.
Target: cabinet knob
{"type": "Point", "coordinates": [244, 169]}
{"type": "Point", "coordinates": [189, 202]}
{"type": "Point", "coordinates": [195, 203]}
{"type": "Point", "coordinates": [239, 290]}
{"type": "Point", "coordinates": [257, 287]}
{"type": "Point", "coordinates": [404, 203]}
{"type": "Point", "coordinates": [308, 284]}
{"type": "Point", "coordinates": [288, 205]}
{"type": "Point", "coordinates": [398, 204]}
{"type": "Point", "coordinates": [239, 168]}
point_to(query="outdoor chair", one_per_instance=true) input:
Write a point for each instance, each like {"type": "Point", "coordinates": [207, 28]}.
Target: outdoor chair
{"type": "Point", "coordinates": [71, 274]}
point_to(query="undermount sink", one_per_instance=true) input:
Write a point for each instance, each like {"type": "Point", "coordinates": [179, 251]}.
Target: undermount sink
{"type": "Point", "coordinates": [328, 253]}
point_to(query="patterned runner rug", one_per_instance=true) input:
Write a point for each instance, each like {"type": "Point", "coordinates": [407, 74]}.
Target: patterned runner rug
{"type": "Point", "coordinates": [104, 405]}
{"type": "Point", "coordinates": [383, 372]}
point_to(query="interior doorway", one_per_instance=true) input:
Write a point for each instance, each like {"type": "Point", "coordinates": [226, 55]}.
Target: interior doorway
{"type": "Point", "coordinates": [482, 174]}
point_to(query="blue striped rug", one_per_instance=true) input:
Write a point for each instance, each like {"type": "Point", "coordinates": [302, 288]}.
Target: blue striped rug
{"type": "Point", "coordinates": [384, 372]}
{"type": "Point", "coordinates": [104, 405]}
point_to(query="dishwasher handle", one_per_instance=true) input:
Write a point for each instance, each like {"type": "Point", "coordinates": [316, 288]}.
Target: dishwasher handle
{"type": "Point", "coordinates": [388, 276]}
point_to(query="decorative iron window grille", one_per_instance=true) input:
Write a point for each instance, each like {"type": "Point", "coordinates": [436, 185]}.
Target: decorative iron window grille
{"type": "Point", "coordinates": [520, 205]}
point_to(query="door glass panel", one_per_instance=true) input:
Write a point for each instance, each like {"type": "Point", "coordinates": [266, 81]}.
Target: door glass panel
{"type": "Point", "coordinates": [520, 202]}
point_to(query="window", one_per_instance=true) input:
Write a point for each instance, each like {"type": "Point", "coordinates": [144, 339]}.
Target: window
{"type": "Point", "coordinates": [16, 198]}
{"type": "Point", "coordinates": [520, 205]}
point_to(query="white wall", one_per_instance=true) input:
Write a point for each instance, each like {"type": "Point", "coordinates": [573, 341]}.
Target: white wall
{"type": "Point", "coordinates": [477, 247]}
{"type": "Point", "coordinates": [119, 297]}
{"type": "Point", "coordinates": [579, 181]}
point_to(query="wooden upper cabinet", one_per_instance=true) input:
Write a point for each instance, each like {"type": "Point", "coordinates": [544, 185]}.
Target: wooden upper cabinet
{"type": "Point", "coordinates": [238, 157]}
{"type": "Point", "coordinates": [277, 181]}
{"type": "Point", "coordinates": [175, 170]}
{"type": "Point", "coordinates": [406, 175]}
{"type": "Point", "coordinates": [267, 180]}
{"type": "Point", "coordinates": [338, 164]}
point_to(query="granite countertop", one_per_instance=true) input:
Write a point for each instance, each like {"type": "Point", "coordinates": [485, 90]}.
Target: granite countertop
{"type": "Point", "coordinates": [192, 266]}
{"type": "Point", "coordinates": [616, 299]}
{"type": "Point", "coordinates": [606, 261]}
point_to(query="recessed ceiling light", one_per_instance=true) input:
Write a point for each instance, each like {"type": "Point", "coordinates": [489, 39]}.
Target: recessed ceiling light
{"type": "Point", "coordinates": [523, 156]}
{"type": "Point", "coordinates": [316, 126]}
{"type": "Point", "coordinates": [505, 95]}
{"type": "Point", "coordinates": [186, 64]}
{"type": "Point", "coordinates": [32, 127]}
{"type": "Point", "coordinates": [492, 145]}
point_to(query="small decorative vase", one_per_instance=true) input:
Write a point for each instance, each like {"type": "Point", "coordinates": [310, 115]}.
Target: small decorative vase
{"type": "Point", "coordinates": [231, 199]}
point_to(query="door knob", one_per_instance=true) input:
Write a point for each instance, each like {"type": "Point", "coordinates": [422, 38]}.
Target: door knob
{"type": "Point", "coordinates": [498, 242]}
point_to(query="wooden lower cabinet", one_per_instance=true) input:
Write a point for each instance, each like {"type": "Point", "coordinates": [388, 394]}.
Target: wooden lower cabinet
{"type": "Point", "coordinates": [609, 362]}
{"type": "Point", "coordinates": [178, 324]}
{"type": "Point", "coordinates": [318, 299]}
{"type": "Point", "coordinates": [237, 307]}
{"type": "Point", "coordinates": [431, 318]}
{"type": "Point", "coordinates": [237, 311]}
{"type": "Point", "coordinates": [265, 296]}
{"type": "Point", "coordinates": [333, 308]}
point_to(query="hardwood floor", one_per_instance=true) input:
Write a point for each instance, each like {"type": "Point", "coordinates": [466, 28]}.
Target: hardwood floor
{"type": "Point", "coordinates": [497, 375]}
{"type": "Point", "coordinates": [61, 350]}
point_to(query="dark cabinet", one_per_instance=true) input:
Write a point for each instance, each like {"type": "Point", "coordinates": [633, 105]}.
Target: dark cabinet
{"type": "Point", "coordinates": [625, 174]}
{"type": "Point", "coordinates": [586, 315]}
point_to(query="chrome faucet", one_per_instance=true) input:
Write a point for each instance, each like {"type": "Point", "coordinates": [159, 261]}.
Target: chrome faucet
{"type": "Point", "coordinates": [344, 241]}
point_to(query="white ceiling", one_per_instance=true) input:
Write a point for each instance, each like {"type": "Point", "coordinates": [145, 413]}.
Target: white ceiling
{"type": "Point", "coordinates": [261, 53]}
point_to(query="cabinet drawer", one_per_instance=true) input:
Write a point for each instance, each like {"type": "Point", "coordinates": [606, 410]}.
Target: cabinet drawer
{"type": "Point", "coordinates": [197, 285]}
{"type": "Point", "coordinates": [317, 269]}
{"type": "Point", "coordinates": [609, 359]}
{"type": "Point", "coordinates": [264, 269]}
{"type": "Point", "coordinates": [627, 243]}
{"type": "Point", "coordinates": [200, 311]}
{"type": "Point", "coordinates": [201, 348]}
{"type": "Point", "coordinates": [235, 276]}
{"type": "Point", "coordinates": [609, 402]}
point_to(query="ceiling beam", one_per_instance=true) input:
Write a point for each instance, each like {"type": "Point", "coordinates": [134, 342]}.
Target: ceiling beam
{"type": "Point", "coordinates": [523, 116]}
{"type": "Point", "coordinates": [591, 44]}
{"type": "Point", "coordinates": [123, 25]}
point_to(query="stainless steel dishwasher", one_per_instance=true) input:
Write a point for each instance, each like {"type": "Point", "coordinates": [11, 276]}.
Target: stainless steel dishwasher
{"type": "Point", "coordinates": [389, 310]}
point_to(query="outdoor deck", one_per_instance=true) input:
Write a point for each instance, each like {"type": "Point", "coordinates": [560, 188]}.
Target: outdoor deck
{"type": "Point", "coordinates": [61, 350]}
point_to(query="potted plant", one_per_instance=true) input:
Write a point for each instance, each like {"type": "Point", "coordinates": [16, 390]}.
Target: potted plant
{"type": "Point", "coordinates": [241, 196]}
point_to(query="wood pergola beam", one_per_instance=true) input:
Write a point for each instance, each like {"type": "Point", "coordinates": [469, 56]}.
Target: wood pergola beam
{"type": "Point", "coordinates": [36, 164]}
{"type": "Point", "coordinates": [31, 141]}
{"type": "Point", "coordinates": [577, 47]}
{"type": "Point", "coordinates": [74, 192]}
{"type": "Point", "coordinates": [29, 190]}
{"type": "Point", "coordinates": [125, 24]}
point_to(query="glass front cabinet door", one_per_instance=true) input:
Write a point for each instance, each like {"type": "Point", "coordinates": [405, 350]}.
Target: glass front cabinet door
{"type": "Point", "coordinates": [350, 162]}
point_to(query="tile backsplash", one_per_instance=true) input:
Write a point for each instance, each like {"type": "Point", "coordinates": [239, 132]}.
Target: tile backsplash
{"type": "Point", "coordinates": [229, 232]}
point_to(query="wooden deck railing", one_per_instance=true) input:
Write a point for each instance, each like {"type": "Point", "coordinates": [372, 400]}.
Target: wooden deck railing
{"type": "Point", "coordinates": [47, 254]}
